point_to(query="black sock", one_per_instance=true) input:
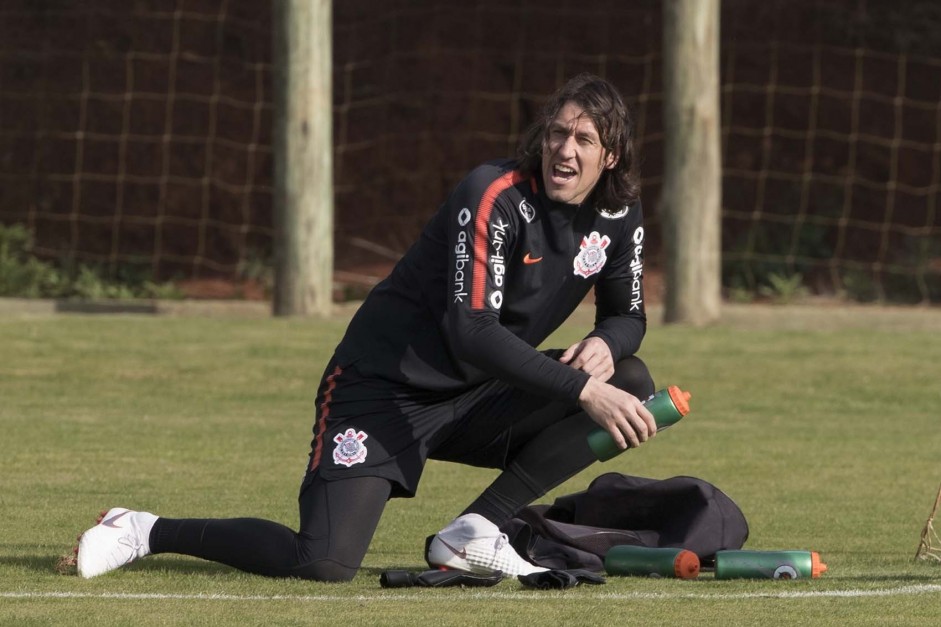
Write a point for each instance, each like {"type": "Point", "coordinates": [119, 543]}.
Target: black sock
{"type": "Point", "coordinates": [555, 455]}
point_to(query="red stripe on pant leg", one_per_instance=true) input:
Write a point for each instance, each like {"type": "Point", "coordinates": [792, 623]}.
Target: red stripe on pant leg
{"type": "Point", "coordinates": [322, 418]}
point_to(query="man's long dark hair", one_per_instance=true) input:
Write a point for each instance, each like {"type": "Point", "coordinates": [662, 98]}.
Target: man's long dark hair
{"type": "Point", "coordinates": [601, 102]}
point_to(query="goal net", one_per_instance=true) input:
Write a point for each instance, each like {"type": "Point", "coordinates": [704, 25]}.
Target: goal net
{"type": "Point", "coordinates": [141, 132]}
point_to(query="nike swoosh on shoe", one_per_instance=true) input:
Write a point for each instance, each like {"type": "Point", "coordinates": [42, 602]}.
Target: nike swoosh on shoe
{"type": "Point", "coordinates": [461, 554]}
{"type": "Point", "coordinates": [110, 522]}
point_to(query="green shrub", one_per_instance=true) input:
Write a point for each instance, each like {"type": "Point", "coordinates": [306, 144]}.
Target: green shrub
{"type": "Point", "coordinates": [23, 275]}
{"type": "Point", "coordinates": [784, 289]}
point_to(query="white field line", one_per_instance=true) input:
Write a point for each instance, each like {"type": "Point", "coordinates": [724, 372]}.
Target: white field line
{"type": "Point", "coordinates": [493, 596]}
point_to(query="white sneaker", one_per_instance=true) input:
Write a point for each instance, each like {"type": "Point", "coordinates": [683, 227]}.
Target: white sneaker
{"type": "Point", "coordinates": [474, 544]}
{"type": "Point", "coordinates": [120, 537]}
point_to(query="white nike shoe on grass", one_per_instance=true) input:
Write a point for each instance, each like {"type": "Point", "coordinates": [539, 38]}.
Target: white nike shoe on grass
{"type": "Point", "coordinates": [474, 544]}
{"type": "Point", "coordinates": [120, 537]}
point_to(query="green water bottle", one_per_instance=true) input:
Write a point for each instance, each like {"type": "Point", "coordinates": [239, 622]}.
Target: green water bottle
{"type": "Point", "coordinates": [769, 565]}
{"type": "Point", "coordinates": [667, 406]}
{"type": "Point", "coordinates": [642, 561]}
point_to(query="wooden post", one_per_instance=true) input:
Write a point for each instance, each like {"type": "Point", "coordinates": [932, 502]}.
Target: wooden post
{"type": "Point", "coordinates": [303, 157]}
{"type": "Point", "coordinates": [692, 178]}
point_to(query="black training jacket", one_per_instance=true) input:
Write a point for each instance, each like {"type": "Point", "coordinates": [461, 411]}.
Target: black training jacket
{"type": "Point", "coordinates": [498, 268]}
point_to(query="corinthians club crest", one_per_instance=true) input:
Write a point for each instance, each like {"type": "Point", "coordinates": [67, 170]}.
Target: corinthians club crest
{"type": "Point", "coordinates": [591, 256]}
{"type": "Point", "coordinates": [350, 448]}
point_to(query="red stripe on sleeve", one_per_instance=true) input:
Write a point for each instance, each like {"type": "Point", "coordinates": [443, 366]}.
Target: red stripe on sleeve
{"type": "Point", "coordinates": [482, 233]}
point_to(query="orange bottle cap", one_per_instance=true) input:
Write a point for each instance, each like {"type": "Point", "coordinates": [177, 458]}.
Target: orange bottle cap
{"type": "Point", "coordinates": [680, 399]}
{"type": "Point", "coordinates": [686, 565]}
{"type": "Point", "coordinates": [817, 567]}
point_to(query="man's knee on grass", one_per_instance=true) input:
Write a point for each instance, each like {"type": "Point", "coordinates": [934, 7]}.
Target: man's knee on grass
{"type": "Point", "coordinates": [328, 571]}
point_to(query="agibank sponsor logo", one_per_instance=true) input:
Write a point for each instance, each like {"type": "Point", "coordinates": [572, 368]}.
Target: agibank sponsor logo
{"type": "Point", "coordinates": [462, 257]}
{"type": "Point", "coordinates": [637, 269]}
{"type": "Point", "coordinates": [497, 260]}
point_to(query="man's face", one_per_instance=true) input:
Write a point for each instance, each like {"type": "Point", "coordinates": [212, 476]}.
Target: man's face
{"type": "Point", "coordinates": [572, 156]}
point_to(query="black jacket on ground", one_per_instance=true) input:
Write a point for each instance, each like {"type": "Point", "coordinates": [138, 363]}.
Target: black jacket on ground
{"type": "Point", "coordinates": [578, 529]}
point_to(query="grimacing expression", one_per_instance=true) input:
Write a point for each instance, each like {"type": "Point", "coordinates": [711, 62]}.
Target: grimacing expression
{"type": "Point", "coordinates": [573, 158]}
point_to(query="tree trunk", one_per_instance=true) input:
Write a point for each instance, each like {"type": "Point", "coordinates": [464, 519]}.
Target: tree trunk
{"type": "Point", "coordinates": [303, 157]}
{"type": "Point", "coordinates": [692, 178]}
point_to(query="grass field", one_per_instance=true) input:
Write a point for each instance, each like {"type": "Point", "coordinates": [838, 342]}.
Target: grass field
{"type": "Point", "coordinates": [821, 423]}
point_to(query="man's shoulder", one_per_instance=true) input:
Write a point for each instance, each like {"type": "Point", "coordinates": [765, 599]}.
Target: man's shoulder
{"type": "Point", "coordinates": [496, 182]}
{"type": "Point", "coordinates": [490, 171]}
{"type": "Point", "coordinates": [630, 212]}
{"type": "Point", "coordinates": [625, 228]}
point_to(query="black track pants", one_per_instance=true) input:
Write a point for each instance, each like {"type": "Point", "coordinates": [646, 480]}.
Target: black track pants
{"type": "Point", "coordinates": [338, 519]}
